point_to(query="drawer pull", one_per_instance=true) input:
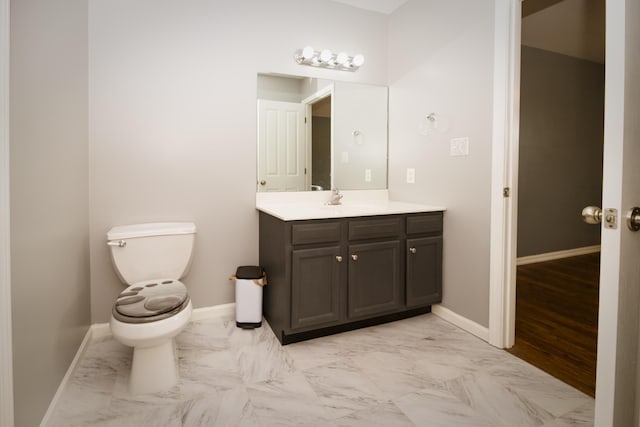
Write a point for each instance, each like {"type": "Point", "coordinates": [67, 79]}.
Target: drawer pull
{"type": "Point", "coordinates": [338, 258]}
{"type": "Point", "coordinates": [354, 257]}
{"type": "Point", "coordinates": [413, 250]}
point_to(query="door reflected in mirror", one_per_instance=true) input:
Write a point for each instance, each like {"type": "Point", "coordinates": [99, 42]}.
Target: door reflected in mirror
{"type": "Point", "coordinates": [316, 134]}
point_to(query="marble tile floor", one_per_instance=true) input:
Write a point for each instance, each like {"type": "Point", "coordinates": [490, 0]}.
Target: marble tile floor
{"type": "Point", "coordinates": [420, 371]}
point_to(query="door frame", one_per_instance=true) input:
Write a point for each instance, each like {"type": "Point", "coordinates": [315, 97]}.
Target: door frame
{"type": "Point", "coordinates": [6, 354]}
{"type": "Point", "coordinates": [504, 172]}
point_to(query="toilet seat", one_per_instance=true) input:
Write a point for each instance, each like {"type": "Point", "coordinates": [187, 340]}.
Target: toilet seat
{"type": "Point", "coordinates": [150, 301]}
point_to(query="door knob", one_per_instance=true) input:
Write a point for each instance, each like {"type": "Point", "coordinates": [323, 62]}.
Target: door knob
{"type": "Point", "coordinates": [263, 182]}
{"type": "Point", "coordinates": [633, 219]}
{"type": "Point", "coordinates": [595, 215]}
{"type": "Point", "coordinates": [592, 215]}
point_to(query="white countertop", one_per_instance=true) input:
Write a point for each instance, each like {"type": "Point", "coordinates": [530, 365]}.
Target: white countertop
{"type": "Point", "coordinates": [312, 205]}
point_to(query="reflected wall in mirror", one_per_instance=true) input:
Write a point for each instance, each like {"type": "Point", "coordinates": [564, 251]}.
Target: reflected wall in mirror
{"type": "Point", "coordinates": [316, 134]}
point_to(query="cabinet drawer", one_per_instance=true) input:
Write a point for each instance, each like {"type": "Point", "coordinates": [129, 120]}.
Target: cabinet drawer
{"type": "Point", "coordinates": [430, 223]}
{"type": "Point", "coordinates": [374, 228]}
{"type": "Point", "coordinates": [316, 232]}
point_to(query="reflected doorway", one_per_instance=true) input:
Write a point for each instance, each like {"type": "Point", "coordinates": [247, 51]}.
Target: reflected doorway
{"type": "Point", "coordinates": [321, 144]}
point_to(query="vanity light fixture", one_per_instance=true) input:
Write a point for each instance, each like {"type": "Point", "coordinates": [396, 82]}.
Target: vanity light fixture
{"type": "Point", "coordinates": [327, 59]}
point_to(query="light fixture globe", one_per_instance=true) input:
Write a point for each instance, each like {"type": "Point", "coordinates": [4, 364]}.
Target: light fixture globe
{"type": "Point", "coordinates": [358, 60]}
{"type": "Point", "coordinates": [342, 58]}
{"type": "Point", "coordinates": [307, 53]}
{"type": "Point", "coordinates": [326, 55]}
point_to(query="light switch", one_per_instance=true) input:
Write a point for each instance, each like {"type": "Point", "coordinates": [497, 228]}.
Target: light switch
{"type": "Point", "coordinates": [459, 146]}
{"type": "Point", "coordinates": [411, 176]}
{"type": "Point", "coordinates": [367, 175]}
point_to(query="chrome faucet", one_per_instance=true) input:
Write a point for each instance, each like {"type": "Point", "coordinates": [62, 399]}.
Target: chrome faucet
{"type": "Point", "coordinates": [335, 197]}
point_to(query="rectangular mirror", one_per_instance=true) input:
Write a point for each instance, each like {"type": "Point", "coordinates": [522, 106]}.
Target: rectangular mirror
{"type": "Point", "coordinates": [316, 134]}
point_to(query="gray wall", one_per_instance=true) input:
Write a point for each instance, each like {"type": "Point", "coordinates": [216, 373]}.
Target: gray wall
{"type": "Point", "coordinates": [561, 137]}
{"type": "Point", "coordinates": [172, 118]}
{"type": "Point", "coordinates": [49, 197]}
{"type": "Point", "coordinates": [446, 68]}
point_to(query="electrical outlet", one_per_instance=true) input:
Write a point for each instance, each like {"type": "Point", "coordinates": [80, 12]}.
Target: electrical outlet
{"type": "Point", "coordinates": [367, 175]}
{"type": "Point", "coordinates": [411, 176]}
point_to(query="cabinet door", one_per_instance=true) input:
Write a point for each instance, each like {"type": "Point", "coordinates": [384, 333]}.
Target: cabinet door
{"type": "Point", "coordinates": [375, 281]}
{"type": "Point", "coordinates": [424, 271]}
{"type": "Point", "coordinates": [315, 287]}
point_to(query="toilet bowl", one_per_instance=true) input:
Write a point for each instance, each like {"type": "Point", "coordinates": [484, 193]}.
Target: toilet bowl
{"type": "Point", "coordinates": [150, 312]}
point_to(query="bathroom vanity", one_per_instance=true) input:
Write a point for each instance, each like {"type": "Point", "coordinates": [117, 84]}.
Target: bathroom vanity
{"type": "Point", "coordinates": [336, 268]}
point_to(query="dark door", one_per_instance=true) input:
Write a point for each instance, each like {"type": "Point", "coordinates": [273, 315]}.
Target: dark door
{"type": "Point", "coordinates": [375, 281]}
{"type": "Point", "coordinates": [315, 287]}
{"type": "Point", "coordinates": [424, 271]}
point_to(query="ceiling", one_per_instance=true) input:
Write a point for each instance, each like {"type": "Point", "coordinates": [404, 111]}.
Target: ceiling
{"type": "Point", "coordinates": [382, 6]}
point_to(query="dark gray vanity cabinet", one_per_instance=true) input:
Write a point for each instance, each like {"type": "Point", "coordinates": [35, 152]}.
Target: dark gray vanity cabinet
{"type": "Point", "coordinates": [424, 271]}
{"type": "Point", "coordinates": [316, 274]}
{"type": "Point", "coordinates": [332, 275]}
{"type": "Point", "coordinates": [375, 285]}
{"type": "Point", "coordinates": [424, 260]}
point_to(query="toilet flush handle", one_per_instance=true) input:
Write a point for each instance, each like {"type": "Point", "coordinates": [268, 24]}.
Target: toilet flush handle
{"type": "Point", "coordinates": [118, 243]}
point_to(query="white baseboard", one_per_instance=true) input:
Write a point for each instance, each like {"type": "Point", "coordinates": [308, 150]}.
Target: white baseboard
{"type": "Point", "coordinates": [550, 256]}
{"type": "Point", "coordinates": [101, 330]}
{"type": "Point", "coordinates": [461, 322]}
{"type": "Point", "coordinates": [46, 420]}
{"type": "Point", "coordinates": [215, 311]}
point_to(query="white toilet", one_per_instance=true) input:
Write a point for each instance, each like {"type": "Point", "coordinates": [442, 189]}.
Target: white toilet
{"type": "Point", "coordinates": [148, 314]}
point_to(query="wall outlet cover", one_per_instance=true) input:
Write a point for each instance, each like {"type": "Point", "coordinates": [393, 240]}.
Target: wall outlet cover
{"type": "Point", "coordinates": [411, 176]}
{"type": "Point", "coordinates": [367, 175]}
{"type": "Point", "coordinates": [459, 146]}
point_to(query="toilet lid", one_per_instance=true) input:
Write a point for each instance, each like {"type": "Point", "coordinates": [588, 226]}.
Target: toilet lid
{"type": "Point", "coordinates": [151, 298]}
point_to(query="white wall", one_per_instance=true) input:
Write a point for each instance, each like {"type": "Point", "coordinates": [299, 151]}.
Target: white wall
{"type": "Point", "coordinates": [362, 109]}
{"type": "Point", "coordinates": [441, 61]}
{"type": "Point", "coordinates": [172, 118]}
{"type": "Point", "coordinates": [49, 197]}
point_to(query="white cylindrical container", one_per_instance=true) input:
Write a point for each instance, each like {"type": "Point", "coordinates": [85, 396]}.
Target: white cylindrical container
{"type": "Point", "coordinates": [249, 282]}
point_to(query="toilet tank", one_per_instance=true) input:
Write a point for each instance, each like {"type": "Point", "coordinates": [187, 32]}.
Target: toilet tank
{"type": "Point", "coordinates": [151, 251]}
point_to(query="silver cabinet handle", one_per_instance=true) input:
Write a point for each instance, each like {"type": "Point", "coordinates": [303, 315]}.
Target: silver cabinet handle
{"type": "Point", "coordinates": [338, 258]}
{"type": "Point", "coordinates": [413, 250]}
{"type": "Point", "coordinates": [118, 243]}
{"type": "Point", "coordinates": [354, 257]}
{"type": "Point", "coordinates": [633, 219]}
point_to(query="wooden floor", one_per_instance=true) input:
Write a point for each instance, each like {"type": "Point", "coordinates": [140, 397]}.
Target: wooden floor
{"type": "Point", "coordinates": [557, 318]}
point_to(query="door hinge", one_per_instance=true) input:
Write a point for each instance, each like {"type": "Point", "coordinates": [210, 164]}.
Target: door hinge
{"type": "Point", "coordinates": [305, 171]}
{"type": "Point", "coordinates": [506, 192]}
{"type": "Point", "coordinates": [305, 120]}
